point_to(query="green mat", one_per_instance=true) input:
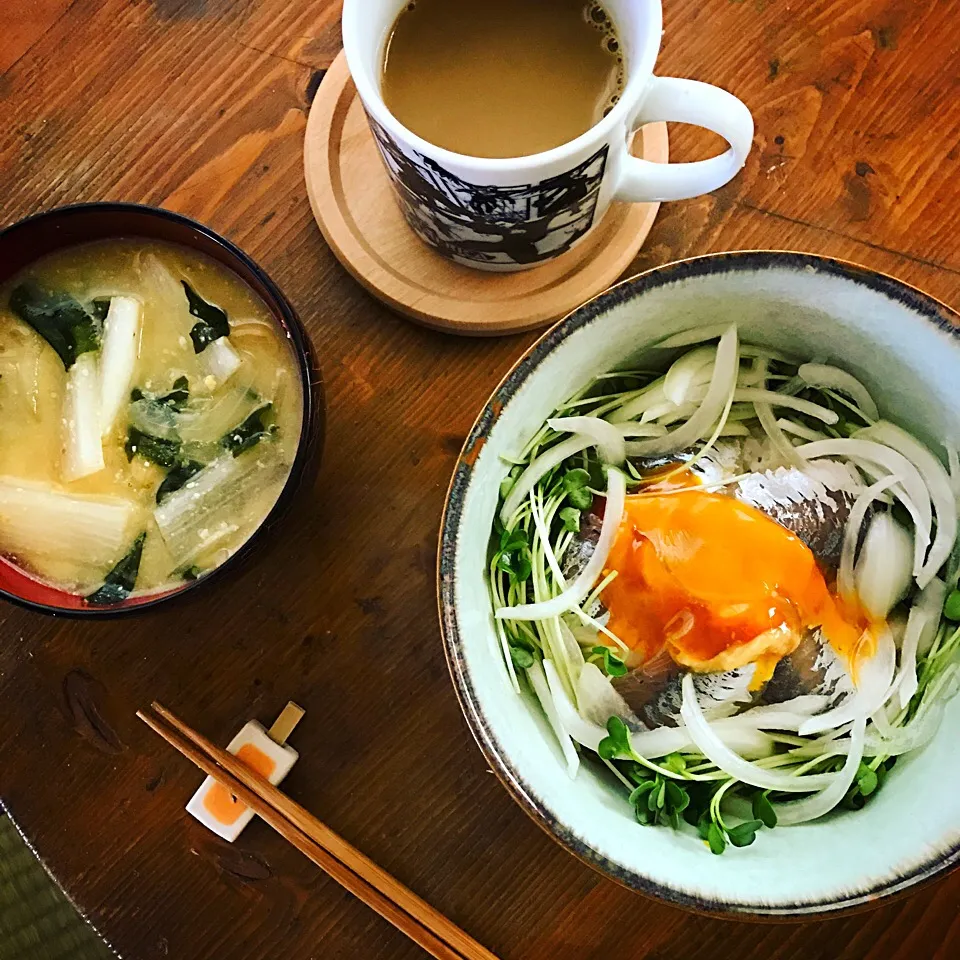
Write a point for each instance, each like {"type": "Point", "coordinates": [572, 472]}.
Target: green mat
{"type": "Point", "coordinates": [37, 922]}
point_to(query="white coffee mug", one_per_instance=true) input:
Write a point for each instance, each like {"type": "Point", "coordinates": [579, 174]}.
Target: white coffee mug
{"type": "Point", "coordinates": [521, 212]}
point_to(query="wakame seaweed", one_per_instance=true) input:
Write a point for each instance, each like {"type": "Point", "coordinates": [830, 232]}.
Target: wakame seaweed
{"type": "Point", "coordinates": [177, 477]}
{"type": "Point", "coordinates": [176, 399]}
{"type": "Point", "coordinates": [120, 581]}
{"type": "Point", "coordinates": [213, 323]}
{"type": "Point", "coordinates": [99, 308]}
{"type": "Point", "coordinates": [249, 433]}
{"type": "Point", "coordinates": [57, 317]}
{"type": "Point", "coordinates": [164, 453]}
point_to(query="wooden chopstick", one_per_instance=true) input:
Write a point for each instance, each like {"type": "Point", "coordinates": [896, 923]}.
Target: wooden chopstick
{"type": "Point", "coordinates": [437, 934]}
{"type": "Point", "coordinates": [374, 898]}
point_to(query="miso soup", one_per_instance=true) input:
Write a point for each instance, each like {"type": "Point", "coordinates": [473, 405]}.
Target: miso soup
{"type": "Point", "coordinates": [151, 411]}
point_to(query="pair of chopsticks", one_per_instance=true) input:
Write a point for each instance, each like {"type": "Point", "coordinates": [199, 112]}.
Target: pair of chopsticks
{"type": "Point", "coordinates": [439, 936]}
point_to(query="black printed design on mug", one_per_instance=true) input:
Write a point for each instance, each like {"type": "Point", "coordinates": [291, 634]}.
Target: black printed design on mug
{"type": "Point", "coordinates": [474, 223]}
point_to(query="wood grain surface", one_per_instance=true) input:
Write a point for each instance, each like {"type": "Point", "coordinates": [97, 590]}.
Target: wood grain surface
{"type": "Point", "coordinates": [200, 106]}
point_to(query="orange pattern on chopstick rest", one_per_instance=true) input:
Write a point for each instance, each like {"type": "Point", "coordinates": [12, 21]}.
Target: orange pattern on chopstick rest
{"type": "Point", "coordinates": [425, 925]}
{"type": "Point", "coordinates": [220, 802]}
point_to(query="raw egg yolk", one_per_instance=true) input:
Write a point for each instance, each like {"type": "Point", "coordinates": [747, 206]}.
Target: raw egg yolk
{"type": "Point", "coordinates": [716, 584]}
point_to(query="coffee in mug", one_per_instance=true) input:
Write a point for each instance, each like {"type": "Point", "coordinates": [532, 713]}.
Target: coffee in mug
{"type": "Point", "coordinates": [486, 175]}
{"type": "Point", "coordinates": [502, 78]}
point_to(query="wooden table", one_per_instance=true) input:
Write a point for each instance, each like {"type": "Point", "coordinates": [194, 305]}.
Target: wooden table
{"type": "Point", "coordinates": [200, 106]}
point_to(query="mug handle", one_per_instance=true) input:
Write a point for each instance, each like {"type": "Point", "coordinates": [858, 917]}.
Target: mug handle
{"type": "Point", "coordinates": [687, 101]}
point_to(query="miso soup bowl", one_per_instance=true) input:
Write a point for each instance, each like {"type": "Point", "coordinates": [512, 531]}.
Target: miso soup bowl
{"type": "Point", "coordinates": [906, 347]}
{"type": "Point", "coordinates": [38, 236]}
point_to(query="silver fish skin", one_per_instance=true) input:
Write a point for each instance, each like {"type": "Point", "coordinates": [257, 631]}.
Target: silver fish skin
{"type": "Point", "coordinates": [813, 503]}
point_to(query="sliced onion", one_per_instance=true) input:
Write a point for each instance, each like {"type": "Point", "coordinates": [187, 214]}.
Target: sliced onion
{"type": "Point", "coordinates": [544, 694]}
{"type": "Point", "coordinates": [745, 740]}
{"type": "Point", "coordinates": [931, 599]}
{"type": "Point", "coordinates": [537, 469]}
{"type": "Point", "coordinates": [873, 689]}
{"type": "Point", "coordinates": [753, 395]}
{"type": "Point", "coordinates": [604, 436]}
{"type": "Point", "coordinates": [765, 353]}
{"type": "Point", "coordinates": [764, 412]}
{"type": "Point", "coordinates": [916, 734]}
{"type": "Point", "coordinates": [921, 538]}
{"type": "Point", "coordinates": [748, 742]}
{"type": "Point", "coordinates": [800, 430]}
{"type": "Point", "coordinates": [687, 338]}
{"type": "Point", "coordinates": [650, 396]}
{"type": "Point", "coordinates": [722, 384]}
{"type": "Point", "coordinates": [883, 571]}
{"type": "Point", "coordinates": [577, 592]}
{"type": "Point", "coordinates": [756, 394]}
{"type": "Point", "coordinates": [851, 535]}
{"type": "Point", "coordinates": [668, 413]}
{"type": "Point", "coordinates": [784, 716]}
{"type": "Point", "coordinates": [683, 374]}
{"type": "Point", "coordinates": [938, 484]}
{"type": "Point", "coordinates": [741, 412]}
{"type": "Point", "coordinates": [597, 700]}
{"type": "Point", "coordinates": [712, 747]}
{"type": "Point", "coordinates": [641, 430]}
{"type": "Point", "coordinates": [914, 494]}
{"type": "Point", "coordinates": [922, 625]}
{"type": "Point", "coordinates": [778, 438]}
{"type": "Point", "coordinates": [953, 459]}
{"type": "Point", "coordinates": [811, 808]}
{"type": "Point", "coordinates": [507, 659]}
{"type": "Point", "coordinates": [572, 652]}
{"type": "Point", "coordinates": [583, 731]}
{"type": "Point", "coordinates": [907, 677]}
{"type": "Point", "coordinates": [667, 408]}
{"type": "Point", "coordinates": [833, 378]}
{"type": "Point", "coordinates": [881, 720]}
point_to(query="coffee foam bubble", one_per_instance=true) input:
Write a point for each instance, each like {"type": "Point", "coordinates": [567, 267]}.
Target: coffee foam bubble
{"type": "Point", "coordinates": [599, 19]}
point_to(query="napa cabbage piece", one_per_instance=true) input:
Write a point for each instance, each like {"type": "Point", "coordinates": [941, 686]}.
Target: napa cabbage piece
{"type": "Point", "coordinates": [213, 504]}
{"type": "Point", "coordinates": [82, 444]}
{"type": "Point", "coordinates": [40, 523]}
{"type": "Point", "coordinates": [206, 420]}
{"type": "Point", "coordinates": [118, 358]}
{"type": "Point", "coordinates": [220, 360]}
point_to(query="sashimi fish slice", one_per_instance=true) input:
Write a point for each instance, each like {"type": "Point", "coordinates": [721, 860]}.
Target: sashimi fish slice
{"type": "Point", "coordinates": [813, 503]}
{"type": "Point", "coordinates": [720, 464]}
{"type": "Point", "coordinates": [653, 692]}
{"type": "Point", "coordinates": [813, 668]}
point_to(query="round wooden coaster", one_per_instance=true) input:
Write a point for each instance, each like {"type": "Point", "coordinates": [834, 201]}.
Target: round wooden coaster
{"type": "Point", "coordinates": [354, 206]}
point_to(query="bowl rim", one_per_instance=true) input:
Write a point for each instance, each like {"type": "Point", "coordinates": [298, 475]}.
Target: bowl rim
{"type": "Point", "coordinates": [927, 306]}
{"type": "Point", "coordinates": [309, 444]}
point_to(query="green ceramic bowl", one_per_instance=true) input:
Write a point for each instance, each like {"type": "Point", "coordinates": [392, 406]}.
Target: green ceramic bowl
{"type": "Point", "coordinates": [906, 348]}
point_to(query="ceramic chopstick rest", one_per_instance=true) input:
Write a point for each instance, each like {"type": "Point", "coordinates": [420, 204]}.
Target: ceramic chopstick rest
{"type": "Point", "coordinates": [266, 752]}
